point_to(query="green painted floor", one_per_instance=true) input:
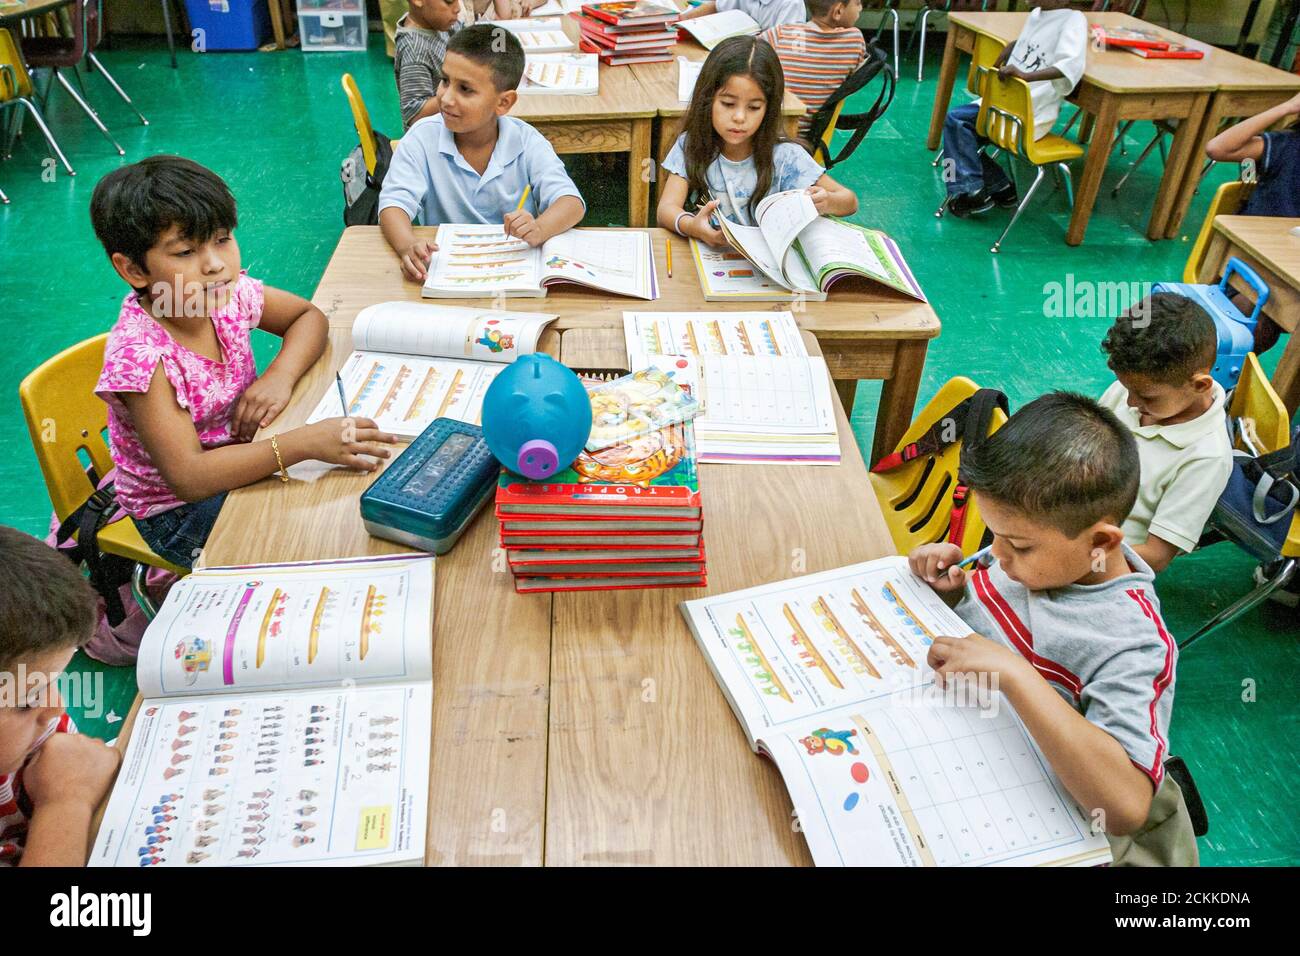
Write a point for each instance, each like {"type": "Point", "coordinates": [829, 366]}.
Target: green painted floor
{"type": "Point", "coordinates": [276, 127]}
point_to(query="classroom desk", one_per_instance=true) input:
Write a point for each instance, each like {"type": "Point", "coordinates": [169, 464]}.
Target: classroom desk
{"type": "Point", "coordinates": [1266, 245]}
{"type": "Point", "coordinates": [659, 80]}
{"type": "Point", "coordinates": [11, 12]}
{"type": "Point", "coordinates": [617, 119]}
{"type": "Point", "coordinates": [1116, 86]}
{"type": "Point", "coordinates": [646, 764]}
{"type": "Point", "coordinates": [864, 330]}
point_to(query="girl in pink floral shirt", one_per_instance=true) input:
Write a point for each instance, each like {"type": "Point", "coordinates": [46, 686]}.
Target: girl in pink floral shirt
{"type": "Point", "coordinates": [184, 396]}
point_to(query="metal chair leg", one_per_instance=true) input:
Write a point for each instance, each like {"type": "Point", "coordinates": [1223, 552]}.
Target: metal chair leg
{"type": "Point", "coordinates": [94, 117]}
{"type": "Point", "coordinates": [167, 22]}
{"type": "Point", "coordinates": [1138, 162]}
{"type": "Point", "coordinates": [1029, 194]}
{"type": "Point", "coordinates": [114, 84]}
{"type": "Point", "coordinates": [141, 593]}
{"type": "Point", "coordinates": [49, 137]}
{"type": "Point", "coordinates": [1064, 170]}
{"type": "Point", "coordinates": [920, 60]}
{"type": "Point", "coordinates": [894, 12]}
{"type": "Point", "coordinates": [4, 200]}
{"type": "Point", "coordinates": [1244, 604]}
{"type": "Point", "coordinates": [943, 207]}
{"type": "Point", "coordinates": [1121, 133]}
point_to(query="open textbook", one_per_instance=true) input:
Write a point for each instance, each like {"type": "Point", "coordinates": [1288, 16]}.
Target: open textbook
{"type": "Point", "coordinates": [538, 34]}
{"type": "Point", "coordinates": [827, 675]}
{"type": "Point", "coordinates": [712, 29]}
{"type": "Point", "coordinates": [801, 253]}
{"type": "Point", "coordinates": [419, 362]}
{"type": "Point", "coordinates": [286, 720]}
{"type": "Point", "coordinates": [475, 261]}
{"type": "Point", "coordinates": [764, 399]}
{"type": "Point", "coordinates": [566, 73]}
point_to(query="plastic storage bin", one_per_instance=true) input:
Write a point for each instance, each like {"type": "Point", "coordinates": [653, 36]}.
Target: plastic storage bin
{"type": "Point", "coordinates": [229, 24]}
{"type": "Point", "coordinates": [325, 25]}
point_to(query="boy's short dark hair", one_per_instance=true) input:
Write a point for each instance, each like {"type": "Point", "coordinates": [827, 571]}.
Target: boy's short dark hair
{"type": "Point", "coordinates": [1166, 337]}
{"type": "Point", "coordinates": [1062, 460]}
{"type": "Point", "coordinates": [820, 8]}
{"type": "Point", "coordinates": [494, 47]}
{"type": "Point", "coordinates": [134, 205]}
{"type": "Point", "coordinates": [45, 603]}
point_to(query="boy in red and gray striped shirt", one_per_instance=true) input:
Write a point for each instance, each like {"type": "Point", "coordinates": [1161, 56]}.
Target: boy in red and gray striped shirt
{"type": "Point", "coordinates": [819, 55]}
{"type": "Point", "coordinates": [51, 779]}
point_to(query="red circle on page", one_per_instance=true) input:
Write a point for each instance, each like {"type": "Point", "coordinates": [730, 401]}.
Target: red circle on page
{"type": "Point", "coordinates": [859, 772]}
{"type": "Point", "coordinates": [493, 321]}
{"type": "Point", "coordinates": [681, 363]}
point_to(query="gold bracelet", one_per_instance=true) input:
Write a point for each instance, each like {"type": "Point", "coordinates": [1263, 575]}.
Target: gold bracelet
{"type": "Point", "coordinates": [284, 475]}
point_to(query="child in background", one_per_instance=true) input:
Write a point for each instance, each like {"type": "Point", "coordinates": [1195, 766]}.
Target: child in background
{"type": "Point", "coordinates": [1276, 156]}
{"type": "Point", "coordinates": [184, 397]}
{"type": "Point", "coordinates": [818, 56]}
{"type": "Point", "coordinates": [732, 150]}
{"type": "Point", "coordinates": [420, 44]}
{"type": "Point", "coordinates": [1162, 351]}
{"type": "Point", "coordinates": [1093, 681]}
{"type": "Point", "coordinates": [766, 13]}
{"type": "Point", "coordinates": [1050, 55]}
{"type": "Point", "coordinates": [473, 163]}
{"type": "Point", "coordinates": [51, 778]}
{"type": "Point", "coordinates": [481, 11]}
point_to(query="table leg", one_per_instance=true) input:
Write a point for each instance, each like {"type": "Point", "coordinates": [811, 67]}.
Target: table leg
{"type": "Point", "coordinates": [1214, 259]}
{"type": "Point", "coordinates": [1286, 378]}
{"type": "Point", "coordinates": [943, 92]}
{"type": "Point", "coordinates": [1181, 165]}
{"type": "Point", "coordinates": [277, 23]}
{"type": "Point", "coordinates": [1086, 123]}
{"type": "Point", "coordinates": [639, 173]}
{"type": "Point", "coordinates": [897, 397]}
{"type": "Point", "coordinates": [1103, 137]}
{"type": "Point", "coordinates": [847, 389]}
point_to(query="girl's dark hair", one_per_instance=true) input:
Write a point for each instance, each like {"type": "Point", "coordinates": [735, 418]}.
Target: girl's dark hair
{"type": "Point", "coordinates": [735, 56]}
{"type": "Point", "coordinates": [134, 205]}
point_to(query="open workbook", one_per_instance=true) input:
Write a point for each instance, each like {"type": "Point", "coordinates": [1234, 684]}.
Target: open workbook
{"type": "Point", "coordinates": [418, 362]}
{"type": "Point", "coordinates": [475, 261]}
{"type": "Point", "coordinates": [827, 675]}
{"type": "Point", "coordinates": [561, 73]}
{"type": "Point", "coordinates": [800, 253]}
{"type": "Point", "coordinates": [286, 720]}
{"type": "Point", "coordinates": [712, 29]}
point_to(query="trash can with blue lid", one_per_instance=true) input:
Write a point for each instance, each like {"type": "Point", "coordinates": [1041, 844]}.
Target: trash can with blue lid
{"type": "Point", "coordinates": [228, 24]}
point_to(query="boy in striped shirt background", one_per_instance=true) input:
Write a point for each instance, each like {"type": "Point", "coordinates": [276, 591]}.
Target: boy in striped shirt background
{"type": "Point", "coordinates": [818, 56]}
{"type": "Point", "coordinates": [51, 779]}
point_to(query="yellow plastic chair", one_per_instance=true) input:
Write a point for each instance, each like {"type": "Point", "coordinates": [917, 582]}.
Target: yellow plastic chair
{"type": "Point", "coordinates": [822, 149]}
{"type": "Point", "coordinates": [916, 497]}
{"type": "Point", "coordinates": [983, 56]}
{"type": "Point", "coordinates": [1227, 200]}
{"type": "Point", "coordinates": [1006, 120]}
{"type": "Point", "coordinates": [1261, 425]}
{"type": "Point", "coordinates": [361, 120]}
{"type": "Point", "coordinates": [16, 90]}
{"type": "Point", "coordinates": [66, 420]}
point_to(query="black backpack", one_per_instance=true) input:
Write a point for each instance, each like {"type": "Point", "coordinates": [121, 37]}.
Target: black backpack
{"type": "Point", "coordinates": [876, 64]}
{"type": "Point", "coordinates": [361, 194]}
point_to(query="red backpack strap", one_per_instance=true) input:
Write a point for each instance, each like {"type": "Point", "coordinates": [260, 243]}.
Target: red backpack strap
{"type": "Point", "coordinates": [974, 429]}
{"type": "Point", "coordinates": [932, 442]}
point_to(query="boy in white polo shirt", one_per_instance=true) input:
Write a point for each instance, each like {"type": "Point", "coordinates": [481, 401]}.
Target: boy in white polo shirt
{"type": "Point", "coordinates": [472, 163]}
{"type": "Point", "coordinates": [1161, 352]}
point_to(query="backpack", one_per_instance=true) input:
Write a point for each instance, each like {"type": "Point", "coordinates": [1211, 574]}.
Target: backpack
{"type": "Point", "coordinates": [1256, 506]}
{"type": "Point", "coordinates": [361, 189]}
{"type": "Point", "coordinates": [967, 422]}
{"type": "Point", "coordinates": [120, 621]}
{"type": "Point", "coordinates": [876, 64]}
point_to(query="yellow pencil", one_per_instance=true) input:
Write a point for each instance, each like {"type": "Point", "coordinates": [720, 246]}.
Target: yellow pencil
{"type": "Point", "coordinates": [524, 198]}
{"type": "Point", "coordinates": [668, 244]}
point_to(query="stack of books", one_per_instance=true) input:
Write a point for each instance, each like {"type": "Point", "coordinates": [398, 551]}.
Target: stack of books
{"type": "Point", "coordinates": [638, 31]}
{"type": "Point", "coordinates": [625, 516]}
{"type": "Point", "coordinates": [1145, 43]}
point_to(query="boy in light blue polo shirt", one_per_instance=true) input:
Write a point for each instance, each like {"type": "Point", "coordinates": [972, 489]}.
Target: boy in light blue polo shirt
{"type": "Point", "coordinates": [472, 163]}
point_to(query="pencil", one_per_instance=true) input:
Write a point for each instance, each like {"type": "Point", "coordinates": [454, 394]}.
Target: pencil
{"type": "Point", "coordinates": [343, 399]}
{"type": "Point", "coordinates": [668, 245]}
{"type": "Point", "coordinates": [975, 558]}
{"type": "Point", "coordinates": [524, 198]}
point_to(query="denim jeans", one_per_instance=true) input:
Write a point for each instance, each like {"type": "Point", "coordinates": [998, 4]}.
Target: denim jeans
{"type": "Point", "coordinates": [179, 534]}
{"type": "Point", "coordinates": [971, 169]}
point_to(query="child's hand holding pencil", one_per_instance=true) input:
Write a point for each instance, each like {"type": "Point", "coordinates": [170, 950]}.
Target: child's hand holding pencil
{"type": "Point", "coordinates": [521, 223]}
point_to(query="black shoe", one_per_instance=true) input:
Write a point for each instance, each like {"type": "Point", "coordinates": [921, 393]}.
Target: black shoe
{"type": "Point", "coordinates": [1006, 197]}
{"type": "Point", "coordinates": [970, 204]}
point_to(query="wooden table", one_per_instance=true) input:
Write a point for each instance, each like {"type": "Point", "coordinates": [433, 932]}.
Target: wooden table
{"type": "Point", "coordinates": [1116, 86]}
{"type": "Point", "coordinates": [659, 80]}
{"type": "Point", "coordinates": [618, 119]}
{"type": "Point", "coordinates": [865, 331]}
{"type": "Point", "coordinates": [573, 728]}
{"type": "Point", "coordinates": [25, 9]}
{"type": "Point", "coordinates": [1245, 87]}
{"type": "Point", "coordinates": [1265, 243]}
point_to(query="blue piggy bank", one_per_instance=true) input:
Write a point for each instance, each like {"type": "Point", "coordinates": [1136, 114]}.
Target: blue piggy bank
{"type": "Point", "coordinates": [536, 416]}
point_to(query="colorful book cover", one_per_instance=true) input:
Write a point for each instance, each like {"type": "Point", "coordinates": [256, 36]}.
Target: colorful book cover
{"type": "Point", "coordinates": [631, 12]}
{"type": "Point", "coordinates": [640, 402]}
{"type": "Point", "coordinates": [655, 469]}
{"type": "Point", "coordinates": [1129, 37]}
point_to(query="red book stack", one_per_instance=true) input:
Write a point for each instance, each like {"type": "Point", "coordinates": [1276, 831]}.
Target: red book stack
{"type": "Point", "coordinates": [637, 31]}
{"type": "Point", "coordinates": [627, 516]}
{"type": "Point", "coordinates": [1145, 43]}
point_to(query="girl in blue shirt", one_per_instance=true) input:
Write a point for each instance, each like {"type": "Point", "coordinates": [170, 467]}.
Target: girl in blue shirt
{"type": "Point", "coordinates": [731, 151]}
